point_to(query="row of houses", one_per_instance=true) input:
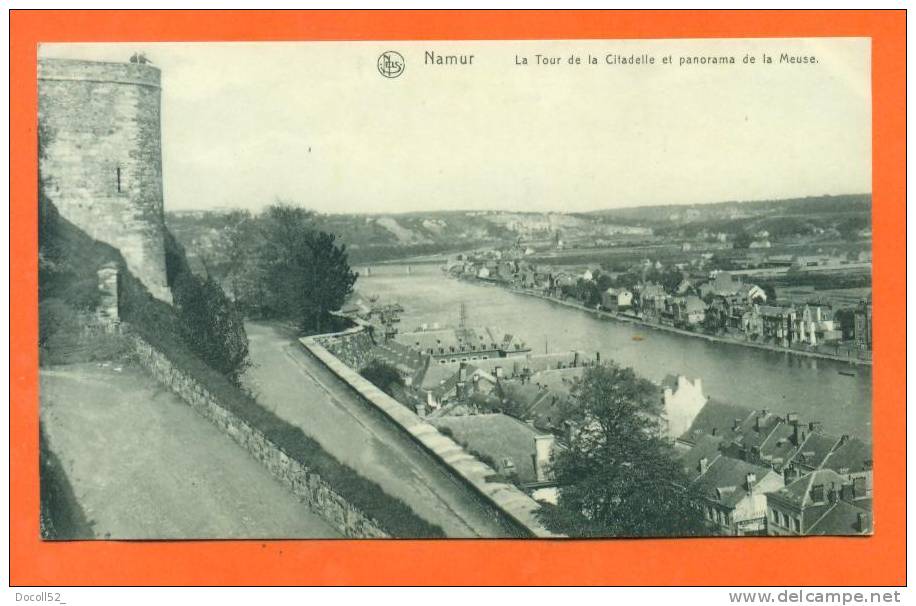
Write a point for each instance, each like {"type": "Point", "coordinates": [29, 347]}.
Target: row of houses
{"type": "Point", "coordinates": [719, 304]}
{"type": "Point", "coordinates": [757, 472]}
{"type": "Point", "coordinates": [750, 471]}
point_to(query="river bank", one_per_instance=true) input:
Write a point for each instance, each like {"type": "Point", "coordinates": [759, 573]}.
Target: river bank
{"type": "Point", "coordinates": [672, 329]}
{"type": "Point", "coordinates": [749, 376]}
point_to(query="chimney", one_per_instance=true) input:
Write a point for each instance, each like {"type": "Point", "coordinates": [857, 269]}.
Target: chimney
{"type": "Point", "coordinates": [460, 390]}
{"type": "Point", "coordinates": [814, 426]}
{"type": "Point", "coordinates": [847, 492]}
{"type": "Point", "coordinates": [736, 424]}
{"type": "Point", "coordinates": [598, 357]}
{"type": "Point", "coordinates": [792, 418]}
{"type": "Point", "coordinates": [570, 428]}
{"type": "Point", "coordinates": [507, 467]}
{"type": "Point", "coordinates": [817, 493]}
{"type": "Point", "coordinates": [757, 421]}
{"type": "Point", "coordinates": [462, 370]}
{"type": "Point", "coordinates": [858, 487]}
{"type": "Point", "coordinates": [863, 523]}
{"type": "Point", "coordinates": [715, 430]}
{"type": "Point", "coordinates": [543, 446]}
{"type": "Point", "coordinates": [749, 481]}
{"type": "Point", "coordinates": [703, 465]}
{"type": "Point", "coordinates": [797, 436]}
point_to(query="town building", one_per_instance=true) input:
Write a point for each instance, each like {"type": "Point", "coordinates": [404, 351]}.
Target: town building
{"type": "Point", "coordinates": [815, 324]}
{"type": "Point", "coordinates": [777, 324]}
{"type": "Point", "coordinates": [862, 330]}
{"type": "Point", "coordinates": [617, 299]}
{"type": "Point", "coordinates": [682, 401]}
{"type": "Point", "coordinates": [452, 345]}
{"type": "Point", "coordinates": [819, 503]}
{"type": "Point", "coordinates": [730, 492]}
{"type": "Point", "coordinates": [515, 449]}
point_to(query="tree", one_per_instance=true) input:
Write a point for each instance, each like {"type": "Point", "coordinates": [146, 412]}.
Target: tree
{"type": "Point", "coordinates": [302, 274]}
{"type": "Point", "coordinates": [587, 292]}
{"type": "Point", "coordinates": [383, 375]}
{"type": "Point", "coordinates": [619, 477]}
{"type": "Point", "coordinates": [770, 291]}
{"type": "Point", "coordinates": [713, 320]}
{"type": "Point", "coordinates": [604, 282]}
{"type": "Point", "coordinates": [671, 278]}
{"type": "Point", "coordinates": [743, 240]}
{"type": "Point", "coordinates": [846, 319]}
{"type": "Point", "coordinates": [211, 325]}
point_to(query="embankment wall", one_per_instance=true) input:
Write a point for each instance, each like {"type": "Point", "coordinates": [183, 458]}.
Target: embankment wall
{"type": "Point", "coordinates": [310, 487]}
{"type": "Point", "coordinates": [519, 509]}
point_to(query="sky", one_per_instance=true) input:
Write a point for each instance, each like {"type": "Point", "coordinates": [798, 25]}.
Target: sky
{"type": "Point", "coordinates": [316, 124]}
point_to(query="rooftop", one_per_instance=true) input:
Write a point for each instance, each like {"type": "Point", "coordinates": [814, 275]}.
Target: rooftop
{"type": "Point", "coordinates": [496, 436]}
{"type": "Point", "coordinates": [725, 479]}
{"type": "Point", "coordinates": [462, 340]}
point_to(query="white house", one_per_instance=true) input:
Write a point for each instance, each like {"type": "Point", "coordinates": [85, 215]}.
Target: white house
{"type": "Point", "coordinates": [682, 402]}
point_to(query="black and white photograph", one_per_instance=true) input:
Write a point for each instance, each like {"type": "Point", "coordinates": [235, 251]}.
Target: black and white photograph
{"type": "Point", "coordinates": [541, 289]}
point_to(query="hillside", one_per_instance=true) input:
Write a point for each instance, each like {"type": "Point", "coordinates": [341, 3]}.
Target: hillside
{"type": "Point", "coordinates": [735, 216]}
{"type": "Point", "coordinates": [380, 237]}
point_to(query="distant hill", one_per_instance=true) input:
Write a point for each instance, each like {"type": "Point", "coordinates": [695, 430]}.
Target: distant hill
{"type": "Point", "coordinates": [384, 236]}
{"type": "Point", "coordinates": [692, 213]}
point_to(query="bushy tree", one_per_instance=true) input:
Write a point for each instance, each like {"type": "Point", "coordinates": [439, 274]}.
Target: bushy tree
{"type": "Point", "coordinates": [846, 320]}
{"type": "Point", "coordinates": [211, 325]}
{"type": "Point", "coordinates": [587, 292]}
{"type": "Point", "coordinates": [604, 282]}
{"type": "Point", "coordinates": [714, 321]}
{"type": "Point", "coordinates": [619, 476]}
{"type": "Point", "coordinates": [302, 274]}
{"type": "Point", "coordinates": [743, 240]}
{"type": "Point", "coordinates": [383, 375]}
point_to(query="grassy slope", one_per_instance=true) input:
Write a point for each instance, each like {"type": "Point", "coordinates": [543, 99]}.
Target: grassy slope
{"type": "Point", "coordinates": [62, 518]}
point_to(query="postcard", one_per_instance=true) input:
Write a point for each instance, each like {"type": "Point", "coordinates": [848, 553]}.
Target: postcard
{"type": "Point", "coordinates": [490, 289]}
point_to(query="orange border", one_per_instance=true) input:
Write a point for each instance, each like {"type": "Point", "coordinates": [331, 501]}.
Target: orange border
{"type": "Point", "coordinates": [879, 560]}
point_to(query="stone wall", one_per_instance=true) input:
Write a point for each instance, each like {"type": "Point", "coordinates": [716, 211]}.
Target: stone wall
{"type": "Point", "coordinates": [354, 347]}
{"type": "Point", "coordinates": [512, 506]}
{"type": "Point", "coordinates": [102, 160]}
{"type": "Point", "coordinates": [313, 490]}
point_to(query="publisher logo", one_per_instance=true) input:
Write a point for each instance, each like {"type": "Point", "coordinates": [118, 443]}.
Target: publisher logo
{"type": "Point", "coordinates": [391, 64]}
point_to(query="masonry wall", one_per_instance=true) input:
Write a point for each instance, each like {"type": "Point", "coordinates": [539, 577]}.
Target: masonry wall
{"type": "Point", "coordinates": [518, 510]}
{"type": "Point", "coordinates": [102, 158]}
{"type": "Point", "coordinates": [313, 490]}
{"type": "Point", "coordinates": [354, 347]}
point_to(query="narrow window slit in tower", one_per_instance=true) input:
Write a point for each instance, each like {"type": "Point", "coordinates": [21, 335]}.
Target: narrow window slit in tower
{"type": "Point", "coordinates": [118, 171]}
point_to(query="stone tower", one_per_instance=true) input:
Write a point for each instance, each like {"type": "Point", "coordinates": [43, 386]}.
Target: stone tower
{"type": "Point", "coordinates": [102, 161]}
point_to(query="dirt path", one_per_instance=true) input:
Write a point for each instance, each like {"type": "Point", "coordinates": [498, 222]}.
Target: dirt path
{"type": "Point", "coordinates": [298, 388]}
{"type": "Point", "coordinates": [144, 465]}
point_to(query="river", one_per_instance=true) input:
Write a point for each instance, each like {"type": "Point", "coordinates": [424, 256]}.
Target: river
{"type": "Point", "coordinates": [741, 375]}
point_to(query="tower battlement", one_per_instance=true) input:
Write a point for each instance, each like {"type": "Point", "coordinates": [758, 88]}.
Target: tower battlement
{"type": "Point", "coordinates": [102, 160]}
